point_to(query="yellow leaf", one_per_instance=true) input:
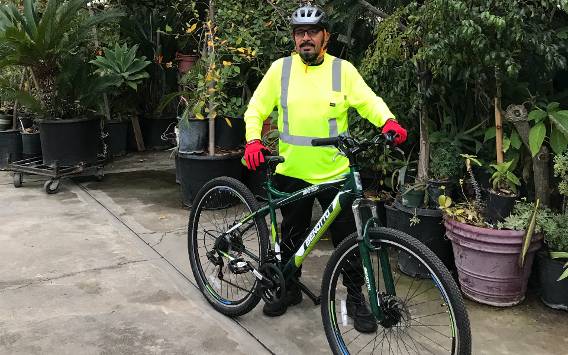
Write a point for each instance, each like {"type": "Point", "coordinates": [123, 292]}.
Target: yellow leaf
{"type": "Point", "coordinates": [241, 49]}
{"type": "Point", "coordinates": [199, 116]}
{"type": "Point", "coordinates": [228, 122]}
{"type": "Point", "coordinates": [226, 63]}
{"type": "Point", "coordinates": [192, 28]}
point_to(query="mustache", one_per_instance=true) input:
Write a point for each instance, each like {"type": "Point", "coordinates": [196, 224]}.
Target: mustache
{"type": "Point", "coordinates": [305, 44]}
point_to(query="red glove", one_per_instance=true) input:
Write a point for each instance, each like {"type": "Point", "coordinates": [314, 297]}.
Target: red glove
{"type": "Point", "coordinates": [393, 126]}
{"type": "Point", "coordinates": [254, 154]}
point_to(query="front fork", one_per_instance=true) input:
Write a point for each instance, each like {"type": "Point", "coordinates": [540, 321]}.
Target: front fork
{"type": "Point", "coordinates": [366, 216]}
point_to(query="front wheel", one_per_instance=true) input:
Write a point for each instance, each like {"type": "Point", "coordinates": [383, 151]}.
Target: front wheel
{"type": "Point", "coordinates": [424, 315]}
{"type": "Point", "coordinates": [222, 229]}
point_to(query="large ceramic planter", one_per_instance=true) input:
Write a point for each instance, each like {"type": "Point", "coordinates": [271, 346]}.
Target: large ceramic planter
{"type": "Point", "coordinates": [70, 142]}
{"type": "Point", "coordinates": [553, 293]}
{"type": "Point", "coordinates": [186, 62]}
{"type": "Point", "coordinates": [487, 262]}
{"type": "Point", "coordinates": [196, 170]}
{"type": "Point", "coordinates": [429, 231]}
{"type": "Point", "coordinates": [10, 147]}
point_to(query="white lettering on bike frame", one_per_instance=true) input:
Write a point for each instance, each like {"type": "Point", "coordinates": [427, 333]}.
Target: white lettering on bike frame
{"type": "Point", "coordinates": [317, 228]}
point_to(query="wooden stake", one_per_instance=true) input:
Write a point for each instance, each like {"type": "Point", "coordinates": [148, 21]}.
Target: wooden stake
{"type": "Point", "coordinates": [498, 121]}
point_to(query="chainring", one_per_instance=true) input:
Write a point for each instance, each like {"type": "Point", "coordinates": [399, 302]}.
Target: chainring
{"type": "Point", "coordinates": [272, 294]}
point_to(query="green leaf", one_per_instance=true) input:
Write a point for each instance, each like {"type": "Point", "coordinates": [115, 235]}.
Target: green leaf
{"type": "Point", "coordinates": [506, 144]}
{"type": "Point", "coordinates": [537, 115]}
{"type": "Point", "coordinates": [528, 235]}
{"type": "Point", "coordinates": [560, 121]}
{"type": "Point", "coordinates": [558, 142]}
{"type": "Point", "coordinates": [512, 178]}
{"type": "Point", "coordinates": [490, 133]}
{"type": "Point", "coordinates": [516, 140]}
{"type": "Point", "coordinates": [169, 28]}
{"type": "Point", "coordinates": [563, 276]}
{"type": "Point", "coordinates": [536, 138]}
{"type": "Point", "coordinates": [553, 106]}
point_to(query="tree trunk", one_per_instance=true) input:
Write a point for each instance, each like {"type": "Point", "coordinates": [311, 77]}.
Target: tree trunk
{"type": "Point", "coordinates": [541, 173]}
{"type": "Point", "coordinates": [424, 155]}
{"type": "Point", "coordinates": [211, 85]}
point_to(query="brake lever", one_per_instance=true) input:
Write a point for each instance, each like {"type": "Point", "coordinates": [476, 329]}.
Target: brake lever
{"type": "Point", "coordinates": [338, 154]}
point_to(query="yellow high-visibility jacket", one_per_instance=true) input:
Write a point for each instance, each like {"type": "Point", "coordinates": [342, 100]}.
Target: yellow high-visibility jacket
{"type": "Point", "coordinates": [312, 102]}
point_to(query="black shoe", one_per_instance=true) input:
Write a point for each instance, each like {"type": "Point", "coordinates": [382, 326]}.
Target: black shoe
{"type": "Point", "coordinates": [292, 298]}
{"type": "Point", "coordinates": [363, 319]}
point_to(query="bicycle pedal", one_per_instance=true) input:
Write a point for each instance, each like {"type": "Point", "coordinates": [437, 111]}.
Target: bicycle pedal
{"type": "Point", "coordinates": [239, 266]}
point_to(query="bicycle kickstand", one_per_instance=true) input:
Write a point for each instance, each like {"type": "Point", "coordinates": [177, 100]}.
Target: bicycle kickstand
{"type": "Point", "coordinates": [315, 299]}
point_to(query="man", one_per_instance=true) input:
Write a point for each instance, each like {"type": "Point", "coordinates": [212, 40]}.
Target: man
{"type": "Point", "coordinates": [313, 91]}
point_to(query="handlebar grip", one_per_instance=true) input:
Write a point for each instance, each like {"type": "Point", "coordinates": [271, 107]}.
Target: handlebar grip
{"type": "Point", "coordinates": [325, 141]}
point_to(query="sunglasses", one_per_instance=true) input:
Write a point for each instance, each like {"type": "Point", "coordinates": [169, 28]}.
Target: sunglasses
{"type": "Point", "coordinates": [311, 32]}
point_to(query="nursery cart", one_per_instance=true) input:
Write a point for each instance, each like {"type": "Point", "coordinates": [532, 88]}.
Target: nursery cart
{"type": "Point", "coordinates": [54, 172]}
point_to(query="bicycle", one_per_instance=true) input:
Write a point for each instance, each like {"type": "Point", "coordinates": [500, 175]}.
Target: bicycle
{"type": "Point", "coordinates": [235, 264]}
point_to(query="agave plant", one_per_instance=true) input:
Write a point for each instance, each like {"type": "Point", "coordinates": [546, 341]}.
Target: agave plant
{"type": "Point", "coordinates": [43, 41]}
{"type": "Point", "coordinates": [121, 65]}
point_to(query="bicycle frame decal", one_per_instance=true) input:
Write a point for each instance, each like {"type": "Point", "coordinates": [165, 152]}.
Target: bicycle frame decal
{"type": "Point", "coordinates": [321, 226]}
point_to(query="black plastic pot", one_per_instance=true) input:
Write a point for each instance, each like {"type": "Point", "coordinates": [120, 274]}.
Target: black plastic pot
{"type": "Point", "coordinates": [31, 145]}
{"type": "Point", "coordinates": [437, 188]}
{"type": "Point", "coordinates": [553, 293]}
{"type": "Point", "coordinates": [193, 135]}
{"type": "Point", "coordinates": [412, 198]}
{"type": "Point", "coordinates": [430, 231]}
{"type": "Point", "coordinates": [117, 139]}
{"type": "Point", "coordinates": [499, 206]}
{"type": "Point", "coordinates": [158, 131]}
{"type": "Point", "coordinates": [229, 136]}
{"type": "Point", "coordinates": [196, 170]}
{"type": "Point", "coordinates": [70, 142]}
{"type": "Point", "coordinates": [10, 147]}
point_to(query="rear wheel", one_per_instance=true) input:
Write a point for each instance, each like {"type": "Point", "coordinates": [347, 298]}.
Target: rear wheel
{"type": "Point", "coordinates": [219, 231]}
{"type": "Point", "coordinates": [424, 316]}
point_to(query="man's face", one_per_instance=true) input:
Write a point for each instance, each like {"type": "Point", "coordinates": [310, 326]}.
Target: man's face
{"type": "Point", "coordinates": [308, 40]}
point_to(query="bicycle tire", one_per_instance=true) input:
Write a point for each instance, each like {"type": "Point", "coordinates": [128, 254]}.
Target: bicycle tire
{"type": "Point", "coordinates": [459, 326]}
{"type": "Point", "coordinates": [209, 285]}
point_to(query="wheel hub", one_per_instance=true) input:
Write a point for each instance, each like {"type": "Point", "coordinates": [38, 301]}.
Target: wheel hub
{"type": "Point", "coordinates": [396, 313]}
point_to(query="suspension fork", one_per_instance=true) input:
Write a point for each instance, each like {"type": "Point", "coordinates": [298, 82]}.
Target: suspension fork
{"type": "Point", "coordinates": [365, 212]}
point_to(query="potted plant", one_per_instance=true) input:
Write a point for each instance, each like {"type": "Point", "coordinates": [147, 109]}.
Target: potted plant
{"type": "Point", "coordinates": [125, 71]}
{"type": "Point", "coordinates": [444, 169]}
{"type": "Point", "coordinates": [487, 258]}
{"type": "Point", "coordinates": [503, 193]}
{"type": "Point", "coordinates": [553, 260]}
{"type": "Point", "coordinates": [48, 45]}
{"type": "Point", "coordinates": [205, 102]}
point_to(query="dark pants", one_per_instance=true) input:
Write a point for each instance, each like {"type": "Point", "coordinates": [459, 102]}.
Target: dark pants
{"type": "Point", "coordinates": [296, 224]}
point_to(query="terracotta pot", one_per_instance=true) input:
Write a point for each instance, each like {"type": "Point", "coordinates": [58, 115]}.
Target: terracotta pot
{"type": "Point", "coordinates": [186, 62]}
{"type": "Point", "coordinates": [487, 262]}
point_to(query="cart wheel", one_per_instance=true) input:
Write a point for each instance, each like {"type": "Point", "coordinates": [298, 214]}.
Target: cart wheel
{"type": "Point", "coordinates": [18, 179]}
{"type": "Point", "coordinates": [51, 186]}
{"type": "Point", "coordinates": [100, 174]}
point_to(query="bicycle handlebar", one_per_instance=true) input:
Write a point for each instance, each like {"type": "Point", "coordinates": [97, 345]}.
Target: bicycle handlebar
{"type": "Point", "coordinates": [351, 147]}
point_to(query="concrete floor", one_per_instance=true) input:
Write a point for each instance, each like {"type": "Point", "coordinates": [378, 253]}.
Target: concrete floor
{"type": "Point", "coordinates": [102, 267]}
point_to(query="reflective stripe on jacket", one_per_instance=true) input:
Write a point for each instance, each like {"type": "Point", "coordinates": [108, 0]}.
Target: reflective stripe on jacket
{"type": "Point", "coordinates": [312, 103]}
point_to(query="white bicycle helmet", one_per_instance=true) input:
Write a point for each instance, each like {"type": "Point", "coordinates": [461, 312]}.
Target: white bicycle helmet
{"type": "Point", "coordinates": [309, 15]}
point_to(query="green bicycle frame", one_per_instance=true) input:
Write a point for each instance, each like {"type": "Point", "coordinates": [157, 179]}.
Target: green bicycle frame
{"type": "Point", "coordinates": [350, 195]}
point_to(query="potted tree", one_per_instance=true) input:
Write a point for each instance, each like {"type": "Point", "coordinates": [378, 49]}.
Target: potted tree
{"type": "Point", "coordinates": [48, 44]}
{"type": "Point", "coordinates": [125, 71]}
